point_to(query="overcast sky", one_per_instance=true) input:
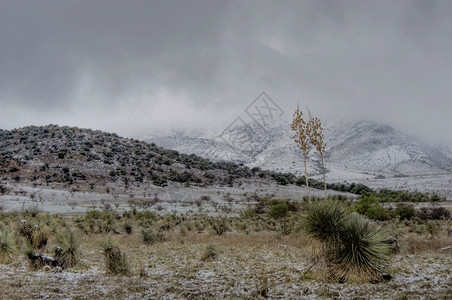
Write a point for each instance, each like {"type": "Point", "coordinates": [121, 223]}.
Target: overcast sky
{"type": "Point", "coordinates": [134, 66]}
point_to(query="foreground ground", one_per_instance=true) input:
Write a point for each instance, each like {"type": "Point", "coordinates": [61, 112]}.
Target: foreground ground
{"type": "Point", "coordinates": [242, 265]}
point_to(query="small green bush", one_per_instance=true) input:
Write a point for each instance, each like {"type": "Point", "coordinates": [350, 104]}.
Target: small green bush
{"type": "Point", "coordinates": [369, 206]}
{"type": "Point", "coordinates": [405, 212]}
{"type": "Point", "coordinates": [279, 211]}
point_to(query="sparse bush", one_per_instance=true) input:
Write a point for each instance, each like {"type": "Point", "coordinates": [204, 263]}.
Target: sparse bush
{"type": "Point", "coordinates": [219, 225]}
{"type": "Point", "coordinates": [432, 229]}
{"type": "Point", "coordinates": [433, 213]}
{"type": "Point", "coordinates": [405, 212]}
{"type": "Point", "coordinates": [149, 237]}
{"type": "Point", "coordinates": [116, 262]}
{"type": "Point", "coordinates": [279, 210]}
{"type": "Point", "coordinates": [210, 253]}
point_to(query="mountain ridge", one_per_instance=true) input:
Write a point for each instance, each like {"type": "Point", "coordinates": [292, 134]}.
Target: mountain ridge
{"type": "Point", "coordinates": [362, 146]}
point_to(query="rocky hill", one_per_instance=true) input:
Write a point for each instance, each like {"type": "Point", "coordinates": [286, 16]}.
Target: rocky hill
{"type": "Point", "coordinates": [91, 159]}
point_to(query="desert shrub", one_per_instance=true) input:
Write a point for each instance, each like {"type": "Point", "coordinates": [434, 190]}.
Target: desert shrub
{"type": "Point", "coordinates": [439, 212]}
{"type": "Point", "coordinates": [97, 221]}
{"type": "Point", "coordinates": [116, 262]}
{"type": "Point", "coordinates": [369, 206]}
{"type": "Point", "coordinates": [433, 213]}
{"type": "Point", "coordinates": [387, 195]}
{"type": "Point", "coordinates": [158, 181]}
{"type": "Point", "coordinates": [128, 228]}
{"type": "Point", "coordinates": [432, 228]}
{"type": "Point", "coordinates": [352, 247]}
{"type": "Point", "coordinates": [361, 253]}
{"type": "Point", "coordinates": [219, 225]}
{"type": "Point", "coordinates": [210, 252]}
{"type": "Point", "coordinates": [248, 214]}
{"type": "Point", "coordinates": [149, 237]}
{"type": "Point", "coordinates": [405, 212]}
{"type": "Point", "coordinates": [323, 219]}
{"type": "Point", "coordinates": [279, 210]}
{"type": "Point", "coordinates": [68, 252]}
{"type": "Point", "coordinates": [282, 180]}
{"type": "Point", "coordinates": [6, 247]}
{"type": "Point", "coordinates": [36, 234]}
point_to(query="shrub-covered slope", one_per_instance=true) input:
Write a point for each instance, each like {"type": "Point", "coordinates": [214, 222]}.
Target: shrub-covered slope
{"type": "Point", "coordinates": [54, 154]}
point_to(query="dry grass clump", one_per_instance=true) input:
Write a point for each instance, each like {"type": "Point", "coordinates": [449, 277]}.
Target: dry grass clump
{"type": "Point", "coordinates": [210, 253]}
{"type": "Point", "coordinates": [116, 262]}
{"type": "Point", "coordinates": [417, 244]}
{"type": "Point", "coordinates": [219, 225]}
{"type": "Point", "coordinates": [149, 237]}
{"type": "Point", "coordinates": [35, 233]}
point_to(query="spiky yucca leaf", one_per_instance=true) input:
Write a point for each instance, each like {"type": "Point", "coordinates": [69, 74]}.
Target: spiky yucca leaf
{"type": "Point", "coordinates": [68, 252]}
{"type": "Point", "coordinates": [324, 219]}
{"type": "Point", "coordinates": [116, 261]}
{"type": "Point", "coordinates": [6, 247]}
{"type": "Point", "coordinates": [361, 253]}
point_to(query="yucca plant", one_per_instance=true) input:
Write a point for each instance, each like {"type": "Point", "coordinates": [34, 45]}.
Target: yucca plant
{"type": "Point", "coordinates": [68, 252]}
{"type": "Point", "coordinates": [6, 247]}
{"type": "Point", "coordinates": [116, 261]}
{"type": "Point", "coordinates": [35, 233]}
{"type": "Point", "coordinates": [351, 246]}
{"type": "Point", "coordinates": [324, 219]}
{"type": "Point", "coordinates": [301, 138]}
{"type": "Point", "coordinates": [361, 253]}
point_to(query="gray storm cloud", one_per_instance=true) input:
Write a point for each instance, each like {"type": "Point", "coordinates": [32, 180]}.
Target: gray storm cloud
{"type": "Point", "coordinates": [131, 66]}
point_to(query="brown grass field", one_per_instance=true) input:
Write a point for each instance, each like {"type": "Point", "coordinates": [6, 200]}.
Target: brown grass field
{"type": "Point", "coordinates": [251, 260]}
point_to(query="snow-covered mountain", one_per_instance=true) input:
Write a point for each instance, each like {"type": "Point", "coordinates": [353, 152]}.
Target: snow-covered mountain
{"type": "Point", "coordinates": [360, 146]}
